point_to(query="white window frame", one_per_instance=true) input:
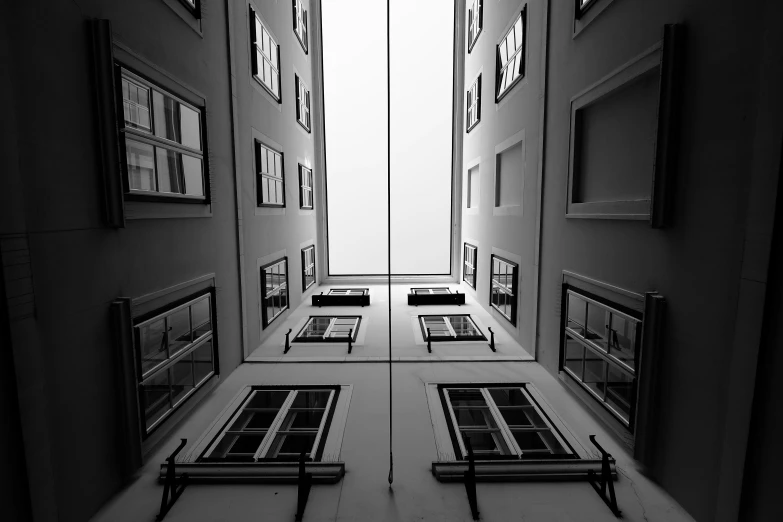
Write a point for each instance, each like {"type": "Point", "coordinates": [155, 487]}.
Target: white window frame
{"type": "Point", "coordinates": [520, 49]}
{"type": "Point", "coordinates": [475, 22]}
{"type": "Point", "coordinates": [473, 113]}
{"type": "Point", "coordinates": [308, 266]}
{"type": "Point", "coordinates": [262, 176]}
{"type": "Point", "coordinates": [276, 290]}
{"type": "Point", "coordinates": [328, 336]}
{"type": "Point", "coordinates": [470, 261]}
{"type": "Point", "coordinates": [452, 333]}
{"type": "Point", "coordinates": [267, 71]}
{"type": "Point", "coordinates": [512, 292]}
{"type": "Point", "coordinates": [431, 291]}
{"type": "Point", "coordinates": [349, 291]}
{"type": "Point", "coordinates": [305, 187]}
{"type": "Point", "coordinates": [302, 103]}
{"type": "Point", "coordinates": [301, 23]}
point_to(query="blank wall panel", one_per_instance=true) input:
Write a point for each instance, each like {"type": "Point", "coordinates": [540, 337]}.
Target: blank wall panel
{"type": "Point", "coordinates": [509, 177]}
{"type": "Point", "coordinates": [474, 187]}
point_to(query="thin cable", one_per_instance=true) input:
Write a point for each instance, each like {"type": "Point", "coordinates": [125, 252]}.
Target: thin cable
{"type": "Point", "coordinates": [388, 193]}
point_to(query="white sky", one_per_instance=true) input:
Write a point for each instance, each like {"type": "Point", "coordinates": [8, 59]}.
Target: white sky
{"type": "Point", "coordinates": [355, 95]}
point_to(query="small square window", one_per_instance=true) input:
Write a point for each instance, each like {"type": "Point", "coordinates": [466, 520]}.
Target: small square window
{"type": "Point", "coordinates": [270, 176]}
{"type": "Point", "coordinates": [308, 267]}
{"type": "Point", "coordinates": [511, 57]}
{"type": "Point", "coordinates": [469, 265]}
{"type": "Point", "coordinates": [274, 290]}
{"type": "Point", "coordinates": [305, 187]}
{"type": "Point", "coordinates": [448, 328]}
{"type": "Point", "coordinates": [503, 292]}
{"type": "Point", "coordinates": [265, 56]}
{"type": "Point", "coordinates": [474, 104]}
{"type": "Point", "coordinates": [302, 103]}
{"type": "Point", "coordinates": [475, 22]}
{"type": "Point", "coordinates": [300, 23]}
{"type": "Point", "coordinates": [329, 329]}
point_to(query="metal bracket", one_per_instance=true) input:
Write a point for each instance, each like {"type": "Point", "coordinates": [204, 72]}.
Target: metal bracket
{"type": "Point", "coordinates": [429, 341]}
{"type": "Point", "coordinates": [287, 343]}
{"type": "Point", "coordinates": [305, 482]}
{"type": "Point", "coordinates": [350, 340]}
{"type": "Point", "coordinates": [606, 479]}
{"type": "Point", "coordinates": [170, 485]}
{"type": "Point", "coordinates": [470, 480]}
{"type": "Point", "coordinates": [491, 339]}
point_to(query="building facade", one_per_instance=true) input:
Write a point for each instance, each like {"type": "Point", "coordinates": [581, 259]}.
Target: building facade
{"type": "Point", "coordinates": [615, 265]}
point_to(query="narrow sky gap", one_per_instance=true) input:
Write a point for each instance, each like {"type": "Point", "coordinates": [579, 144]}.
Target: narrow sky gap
{"type": "Point", "coordinates": [421, 137]}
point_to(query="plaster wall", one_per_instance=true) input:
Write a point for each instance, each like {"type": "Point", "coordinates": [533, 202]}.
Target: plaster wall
{"type": "Point", "coordinates": [64, 350]}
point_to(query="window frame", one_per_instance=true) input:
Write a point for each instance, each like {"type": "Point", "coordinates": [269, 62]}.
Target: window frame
{"type": "Point", "coordinates": [430, 290]}
{"type": "Point", "coordinates": [473, 94]}
{"type": "Point", "coordinates": [465, 248]}
{"type": "Point", "coordinates": [304, 173]}
{"type": "Point", "coordinates": [499, 95]}
{"type": "Point", "coordinates": [257, 146]}
{"type": "Point", "coordinates": [350, 291]}
{"type": "Point", "coordinates": [127, 132]}
{"type": "Point", "coordinates": [302, 101]}
{"type": "Point", "coordinates": [194, 8]}
{"type": "Point", "coordinates": [325, 338]}
{"type": "Point", "coordinates": [513, 292]}
{"type": "Point", "coordinates": [304, 18]}
{"type": "Point", "coordinates": [172, 359]}
{"type": "Point", "coordinates": [454, 337]}
{"type": "Point", "coordinates": [266, 321]}
{"type": "Point", "coordinates": [306, 266]}
{"type": "Point", "coordinates": [581, 7]}
{"type": "Point", "coordinates": [255, 48]}
{"type": "Point", "coordinates": [479, 23]}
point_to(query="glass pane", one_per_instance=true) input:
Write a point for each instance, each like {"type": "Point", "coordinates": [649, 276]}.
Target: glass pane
{"type": "Point", "coordinates": [622, 339]}
{"type": "Point", "coordinates": [468, 397]}
{"type": "Point", "coordinates": [463, 326]}
{"type": "Point", "coordinates": [478, 418]}
{"type": "Point", "coordinates": [192, 169]}
{"type": "Point", "coordinates": [503, 52]}
{"type": "Point", "coordinates": [311, 399]}
{"type": "Point", "coordinates": [169, 173]}
{"type": "Point", "coordinates": [342, 327]}
{"type": "Point", "coordinates": [486, 443]}
{"type": "Point", "coordinates": [597, 325]}
{"type": "Point", "coordinates": [508, 397]}
{"type": "Point", "coordinates": [135, 104]}
{"type": "Point", "coordinates": [202, 319]}
{"type": "Point", "coordinates": [155, 398]}
{"type": "Point", "coordinates": [518, 32]}
{"type": "Point", "coordinates": [166, 110]}
{"type": "Point", "coordinates": [574, 353]}
{"type": "Point", "coordinates": [140, 159]}
{"type": "Point", "coordinates": [270, 307]}
{"type": "Point", "coordinates": [576, 314]}
{"type": "Point", "coordinates": [595, 368]}
{"type": "Point", "coordinates": [153, 345]}
{"type": "Point", "coordinates": [278, 166]}
{"type": "Point", "coordinates": [303, 420]}
{"type": "Point", "coordinates": [202, 361]}
{"type": "Point", "coordinates": [288, 447]}
{"type": "Point", "coordinates": [619, 393]}
{"type": "Point", "coordinates": [179, 330]}
{"type": "Point", "coordinates": [436, 326]}
{"type": "Point", "coordinates": [238, 447]}
{"type": "Point", "coordinates": [284, 297]}
{"type": "Point", "coordinates": [529, 440]}
{"type": "Point", "coordinates": [316, 328]}
{"type": "Point", "coordinates": [268, 399]}
{"type": "Point", "coordinates": [182, 378]}
{"type": "Point", "coordinates": [191, 127]}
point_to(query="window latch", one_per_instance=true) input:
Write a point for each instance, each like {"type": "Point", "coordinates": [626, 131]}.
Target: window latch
{"type": "Point", "coordinates": [305, 482]}
{"type": "Point", "coordinates": [470, 480]}
{"type": "Point", "coordinates": [287, 342]}
{"type": "Point", "coordinates": [170, 485]}
{"type": "Point", "coordinates": [491, 339]}
{"type": "Point", "coordinates": [606, 479]}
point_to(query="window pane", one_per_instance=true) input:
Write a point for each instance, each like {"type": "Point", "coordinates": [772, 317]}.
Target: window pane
{"type": "Point", "coordinates": [436, 327]}
{"type": "Point", "coordinates": [135, 104]}
{"type": "Point", "coordinates": [155, 398]}
{"type": "Point", "coordinates": [595, 369]}
{"type": "Point", "coordinates": [623, 339]}
{"type": "Point", "coordinates": [202, 361]}
{"type": "Point", "coordinates": [529, 440]}
{"type": "Point", "coordinates": [316, 327]}
{"type": "Point", "coordinates": [153, 345]}
{"type": "Point", "coordinates": [202, 319]}
{"type": "Point", "coordinates": [268, 399]}
{"type": "Point", "coordinates": [518, 32]}
{"type": "Point", "coordinates": [302, 420]}
{"type": "Point", "coordinates": [620, 391]}
{"type": "Point", "coordinates": [576, 314]}
{"type": "Point", "coordinates": [182, 378]}
{"type": "Point", "coordinates": [288, 447]}
{"type": "Point", "coordinates": [477, 418]}
{"type": "Point", "coordinates": [484, 443]}
{"type": "Point", "coordinates": [471, 397]}
{"type": "Point", "coordinates": [597, 325]}
{"type": "Point", "coordinates": [463, 326]}
{"type": "Point", "coordinates": [311, 399]}
{"type": "Point", "coordinates": [140, 159]}
{"type": "Point", "coordinates": [192, 168]}
{"type": "Point", "coordinates": [166, 110]}
{"type": "Point", "coordinates": [270, 308]}
{"type": "Point", "coordinates": [574, 355]}
{"type": "Point", "coordinates": [169, 175]}
{"type": "Point", "coordinates": [178, 330]}
{"type": "Point", "coordinates": [238, 447]}
{"type": "Point", "coordinates": [191, 127]}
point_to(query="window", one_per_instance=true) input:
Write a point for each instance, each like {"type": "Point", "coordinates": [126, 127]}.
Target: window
{"type": "Point", "coordinates": [275, 424]}
{"type": "Point", "coordinates": [430, 291]}
{"type": "Point", "coordinates": [270, 177]}
{"type": "Point", "coordinates": [194, 6]}
{"type": "Point", "coordinates": [582, 6]}
{"type": "Point", "coordinates": [469, 268]}
{"type": "Point", "coordinates": [449, 328]}
{"type": "Point", "coordinates": [302, 103]}
{"type": "Point", "coordinates": [600, 351]}
{"type": "Point", "coordinates": [503, 293]}
{"type": "Point", "coordinates": [349, 291]}
{"type": "Point", "coordinates": [163, 142]}
{"type": "Point", "coordinates": [274, 290]}
{"type": "Point", "coordinates": [474, 104]}
{"type": "Point", "coordinates": [329, 329]}
{"type": "Point", "coordinates": [265, 56]}
{"type": "Point", "coordinates": [475, 22]}
{"type": "Point", "coordinates": [175, 356]}
{"type": "Point", "coordinates": [308, 267]}
{"type": "Point", "coordinates": [502, 422]}
{"type": "Point", "coordinates": [300, 23]}
{"type": "Point", "coordinates": [511, 58]}
{"type": "Point", "coordinates": [305, 187]}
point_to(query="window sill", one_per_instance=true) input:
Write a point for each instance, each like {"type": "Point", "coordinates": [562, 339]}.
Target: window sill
{"type": "Point", "coordinates": [259, 473]}
{"type": "Point", "coordinates": [166, 209]}
{"type": "Point", "coordinates": [520, 470]}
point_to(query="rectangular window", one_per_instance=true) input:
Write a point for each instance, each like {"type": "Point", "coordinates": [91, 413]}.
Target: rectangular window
{"type": "Point", "coordinates": [274, 290]}
{"type": "Point", "coordinates": [475, 22]}
{"type": "Point", "coordinates": [601, 352]}
{"type": "Point", "coordinates": [300, 23]}
{"type": "Point", "coordinates": [270, 176]}
{"type": "Point", "coordinates": [501, 422]}
{"type": "Point", "coordinates": [449, 328]}
{"type": "Point", "coordinates": [469, 267]}
{"type": "Point", "coordinates": [308, 267]}
{"type": "Point", "coordinates": [511, 58]}
{"type": "Point", "coordinates": [265, 56]}
{"type": "Point", "coordinates": [329, 329]}
{"type": "Point", "coordinates": [349, 291]}
{"type": "Point", "coordinates": [163, 141]}
{"type": "Point", "coordinates": [276, 424]}
{"type": "Point", "coordinates": [175, 356]}
{"type": "Point", "coordinates": [305, 187]}
{"type": "Point", "coordinates": [302, 103]}
{"type": "Point", "coordinates": [430, 291]}
{"type": "Point", "coordinates": [503, 293]}
{"type": "Point", "coordinates": [474, 104]}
